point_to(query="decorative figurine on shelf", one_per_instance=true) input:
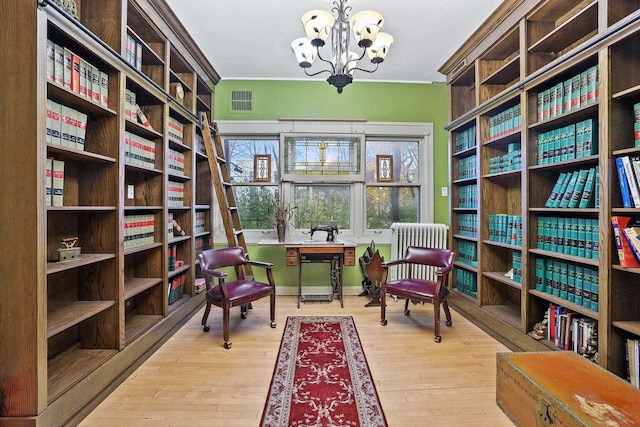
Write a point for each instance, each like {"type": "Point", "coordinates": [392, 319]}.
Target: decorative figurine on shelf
{"type": "Point", "coordinates": [69, 251]}
{"type": "Point", "coordinates": [68, 6]}
{"type": "Point", "coordinates": [540, 328]}
{"type": "Point", "coordinates": [590, 352]}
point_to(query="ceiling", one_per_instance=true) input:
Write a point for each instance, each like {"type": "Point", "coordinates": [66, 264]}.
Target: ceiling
{"type": "Point", "coordinates": [251, 39]}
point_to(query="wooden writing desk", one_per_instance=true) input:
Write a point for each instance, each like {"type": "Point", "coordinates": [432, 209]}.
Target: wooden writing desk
{"type": "Point", "coordinates": [337, 254]}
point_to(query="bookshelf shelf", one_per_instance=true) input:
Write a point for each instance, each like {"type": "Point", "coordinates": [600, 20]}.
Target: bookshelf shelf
{"type": "Point", "coordinates": [507, 313]}
{"type": "Point", "coordinates": [559, 301]}
{"type": "Point", "coordinates": [179, 270]}
{"type": "Point", "coordinates": [632, 327]}
{"type": "Point", "coordinates": [502, 278]}
{"type": "Point", "coordinates": [85, 259]}
{"type": "Point", "coordinates": [74, 313]}
{"type": "Point", "coordinates": [137, 285]}
{"type": "Point", "coordinates": [567, 34]}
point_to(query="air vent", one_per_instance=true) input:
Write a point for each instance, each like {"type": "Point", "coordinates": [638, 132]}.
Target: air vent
{"type": "Point", "coordinates": [241, 100]}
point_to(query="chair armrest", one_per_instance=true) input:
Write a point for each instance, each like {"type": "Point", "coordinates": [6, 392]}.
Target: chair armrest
{"type": "Point", "coordinates": [267, 265]}
{"type": "Point", "coordinates": [391, 263]}
{"type": "Point", "coordinates": [214, 273]}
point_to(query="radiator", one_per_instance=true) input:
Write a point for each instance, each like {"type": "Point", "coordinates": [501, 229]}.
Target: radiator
{"type": "Point", "coordinates": [405, 234]}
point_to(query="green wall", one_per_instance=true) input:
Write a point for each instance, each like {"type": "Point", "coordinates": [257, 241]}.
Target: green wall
{"type": "Point", "coordinates": [376, 102]}
{"type": "Point", "coordinates": [372, 101]}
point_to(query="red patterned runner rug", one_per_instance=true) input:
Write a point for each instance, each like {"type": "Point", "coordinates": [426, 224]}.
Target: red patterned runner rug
{"type": "Point", "coordinates": [321, 377]}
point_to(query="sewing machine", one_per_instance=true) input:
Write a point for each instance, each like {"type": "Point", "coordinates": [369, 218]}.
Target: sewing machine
{"type": "Point", "coordinates": [331, 230]}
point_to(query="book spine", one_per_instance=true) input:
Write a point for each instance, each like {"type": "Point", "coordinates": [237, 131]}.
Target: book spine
{"type": "Point", "coordinates": [83, 78]}
{"type": "Point", "coordinates": [49, 182]}
{"type": "Point", "coordinates": [631, 234]}
{"type": "Point", "coordinates": [57, 185]}
{"type": "Point", "coordinates": [631, 181]}
{"type": "Point", "coordinates": [59, 65]}
{"type": "Point", "coordinates": [566, 197]}
{"type": "Point", "coordinates": [75, 73]}
{"type": "Point", "coordinates": [579, 188]}
{"type": "Point", "coordinates": [587, 200]}
{"type": "Point", "coordinates": [623, 183]}
{"type": "Point", "coordinates": [81, 130]}
{"type": "Point", "coordinates": [104, 88]}
{"type": "Point", "coordinates": [51, 61]}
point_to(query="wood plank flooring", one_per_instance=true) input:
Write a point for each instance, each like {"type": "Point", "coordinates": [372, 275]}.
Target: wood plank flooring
{"type": "Point", "coordinates": [193, 381]}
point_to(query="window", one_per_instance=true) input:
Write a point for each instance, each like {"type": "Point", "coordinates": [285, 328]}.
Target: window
{"type": "Point", "coordinates": [361, 177]}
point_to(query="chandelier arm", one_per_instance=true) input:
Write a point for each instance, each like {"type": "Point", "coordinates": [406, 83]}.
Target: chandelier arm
{"type": "Point", "coordinates": [316, 73]}
{"type": "Point", "coordinates": [366, 71]}
{"type": "Point", "coordinates": [333, 66]}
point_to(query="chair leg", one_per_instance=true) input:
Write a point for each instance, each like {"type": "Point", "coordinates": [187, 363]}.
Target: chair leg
{"type": "Point", "coordinates": [383, 308]}
{"type": "Point", "coordinates": [436, 321]}
{"type": "Point", "coordinates": [272, 309]}
{"type": "Point", "coordinates": [205, 327]}
{"type": "Point", "coordinates": [243, 311]}
{"type": "Point", "coordinates": [225, 327]}
{"type": "Point", "coordinates": [406, 307]}
{"type": "Point", "coordinates": [447, 313]}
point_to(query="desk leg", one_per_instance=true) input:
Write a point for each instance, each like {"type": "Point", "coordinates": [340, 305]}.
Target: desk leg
{"type": "Point", "coordinates": [299, 280]}
{"type": "Point", "coordinates": [341, 270]}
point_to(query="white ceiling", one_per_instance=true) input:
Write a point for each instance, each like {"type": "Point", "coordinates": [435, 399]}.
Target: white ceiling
{"type": "Point", "coordinates": [251, 39]}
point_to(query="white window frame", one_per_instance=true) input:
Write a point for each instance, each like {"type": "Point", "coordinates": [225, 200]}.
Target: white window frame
{"type": "Point", "coordinates": [423, 132]}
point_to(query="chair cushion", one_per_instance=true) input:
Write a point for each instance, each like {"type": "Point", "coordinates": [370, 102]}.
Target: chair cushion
{"type": "Point", "coordinates": [415, 289]}
{"type": "Point", "coordinates": [240, 289]}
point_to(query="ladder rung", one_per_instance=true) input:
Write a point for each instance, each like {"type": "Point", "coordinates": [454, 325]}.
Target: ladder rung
{"type": "Point", "coordinates": [226, 184]}
{"type": "Point", "coordinates": [238, 232]}
{"type": "Point", "coordinates": [233, 208]}
{"type": "Point", "coordinates": [221, 160]}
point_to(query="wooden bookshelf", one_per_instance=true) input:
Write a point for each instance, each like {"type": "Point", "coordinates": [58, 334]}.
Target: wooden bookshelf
{"type": "Point", "coordinates": [553, 42]}
{"type": "Point", "coordinates": [73, 330]}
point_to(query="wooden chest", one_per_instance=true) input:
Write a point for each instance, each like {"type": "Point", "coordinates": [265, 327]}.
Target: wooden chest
{"type": "Point", "coordinates": [563, 389]}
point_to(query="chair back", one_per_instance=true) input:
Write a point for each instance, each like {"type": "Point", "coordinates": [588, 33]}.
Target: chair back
{"type": "Point", "coordinates": [213, 259]}
{"type": "Point", "coordinates": [436, 257]}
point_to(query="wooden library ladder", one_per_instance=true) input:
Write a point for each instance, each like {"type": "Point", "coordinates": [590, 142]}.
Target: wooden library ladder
{"type": "Point", "coordinates": [224, 191]}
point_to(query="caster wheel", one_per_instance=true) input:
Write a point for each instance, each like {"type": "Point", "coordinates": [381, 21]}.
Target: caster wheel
{"type": "Point", "coordinates": [383, 322]}
{"type": "Point", "coordinates": [243, 314]}
{"type": "Point", "coordinates": [227, 345]}
{"type": "Point", "coordinates": [273, 324]}
{"type": "Point", "coordinates": [438, 338]}
{"type": "Point", "coordinates": [206, 328]}
{"type": "Point", "coordinates": [407, 312]}
{"type": "Point", "coordinates": [448, 323]}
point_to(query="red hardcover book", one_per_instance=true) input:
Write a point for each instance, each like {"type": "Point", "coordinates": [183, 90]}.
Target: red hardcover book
{"type": "Point", "coordinates": [627, 260]}
{"type": "Point", "coordinates": [75, 73]}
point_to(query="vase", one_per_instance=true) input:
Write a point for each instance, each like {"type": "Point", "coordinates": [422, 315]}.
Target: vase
{"type": "Point", "coordinates": [281, 229]}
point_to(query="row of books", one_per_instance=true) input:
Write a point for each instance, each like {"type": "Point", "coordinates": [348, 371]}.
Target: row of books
{"type": "Point", "coordinates": [175, 131]}
{"type": "Point", "coordinates": [139, 230]}
{"type": "Point", "coordinates": [202, 243]}
{"type": "Point", "coordinates": [636, 124]}
{"type": "Point", "coordinates": [465, 139]}
{"type": "Point", "coordinates": [466, 282]}
{"type": "Point", "coordinates": [68, 70]}
{"type": "Point", "coordinates": [629, 180]}
{"type": "Point", "coordinates": [176, 287]}
{"type": "Point", "coordinates": [200, 222]}
{"type": "Point", "coordinates": [576, 189]}
{"type": "Point", "coordinates": [574, 93]}
{"type": "Point", "coordinates": [132, 110]}
{"type": "Point", "coordinates": [139, 151]}
{"type": "Point", "coordinates": [175, 162]}
{"type": "Point", "coordinates": [54, 176]}
{"type": "Point", "coordinates": [468, 225]}
{"type": "Point", "coordinates": [569, 142]}
{"type": "Point", "coordinates": [175, 194]}
{"type": "Point", "coordinates": [505, 122]}
{"type": "Point", "coordinates": [133, 52]}
{"type": "Point", "coordinates": [625, 232]}
{"type": "Point", "coordinates": [468, 253]}
{"type": "Point", "coordinates": [199, 143]}
{"type": "Point", "coordinates": [174, 228]}
{"type": "Point", "coordinates": [467, 167]}
{"type": "Point", "coordinates": [570, 236]}
{"type": "Point", "coordinates": [571, 282]}
{"type": "Point", "coordinates": [511, 161]}
{"type": "Point", "coordinates": [568, 330]}
{"type": "Point", "coordinates": [66, 126]}
{"type": "Point", "coordinates": [632, 353]}
{"type": "Point", "coordinates": [468, 196]}
{"type": "Point", "coordinates": [505, 228]}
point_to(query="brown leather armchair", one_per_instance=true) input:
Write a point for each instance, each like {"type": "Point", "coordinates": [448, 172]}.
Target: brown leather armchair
{"type": "Point", "coordinates": [240, 292]}
{"type": "Point", "coordinates": [420, 290]}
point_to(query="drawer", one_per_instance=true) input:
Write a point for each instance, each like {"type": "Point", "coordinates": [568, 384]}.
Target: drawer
{"type": "Point", "coordinates": [292, 261]}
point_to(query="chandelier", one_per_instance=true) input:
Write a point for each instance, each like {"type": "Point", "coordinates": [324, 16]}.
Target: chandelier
{"type": "Point", "coordinates": [319, 24]}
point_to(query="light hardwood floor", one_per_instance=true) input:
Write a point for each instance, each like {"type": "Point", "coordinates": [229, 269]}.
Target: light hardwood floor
{"type": "Point", "coordinates": [193, 381]}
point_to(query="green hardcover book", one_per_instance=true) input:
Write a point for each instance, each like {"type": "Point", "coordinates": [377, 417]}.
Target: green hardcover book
{"type": "Point", "coordinates": [546, 109]}
{"type": "Point", "coordinates": [595, 227]}
{"type": "Point", "coordinates": [579, 188]}
{"type": "Point", "coordinates": [564, 283]}
{"type": "Point", "coordinates": [582, 226]}
{"type": "Point", "coordinates": [597, 188]}
{"type": "Point", "coordinates": [592, 84]}
{"type": "Point", "coordinates": [556, 190]}
{"type": "Point", "coordinates": [548, 288]}
{"type": "Point", "coordinates": [571, 141]}
{"type": "Point", "coordinates": [563, 143]}
{"type": "Point", "coordinates": [571, 282]}
{"type": "Point", "coordinates": [588, 238]}
{"type": "Point", "coordinates": [583, 88]}
{"type": "Point", "coordinates": [553, 234]}
{"type": "Point", "coordinates": [579, 140]}
{"type": "Point", "coordinates": [575, 92]}
{"type": "Point", "coordinates": [587, 278]}
{"type": "Point", "coordinates": [595, 291]}
{"type": "Point", "coordinates": [590, 138]}
{"type": "Point", "coordinates": [557, 149]}
{"type": "Point", "coordinates": [566, 96]}
{"type": "Point", "coordinates": [559, 99]}
{"type": "Point", "coordinates": [556, 279]}
{"type": "Point", "coordinates": [563, 189]}
{"type": "Point", "coordinates": [568, 236]}
{"type": "Point", "coordinates": [540, 99]}
{"type": "Point", "coordinates": [586, 200]}
{"type": "Point", "coordinates": [566, 197]}
{"type": "Point", "coordinates": [579, 284]}
{"type": "Point", "coordinates": [561, 233]}
{"type": "Point", "coordinates": [540, 274]}
{"type": "Point", "coordinates": [574, 237]}
{"type": "Point", "coordinates": [541, 228]}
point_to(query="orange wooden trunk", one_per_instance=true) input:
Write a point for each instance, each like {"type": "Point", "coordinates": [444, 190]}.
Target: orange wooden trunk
{"type": "Point", "coordinates": [561, 388]}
